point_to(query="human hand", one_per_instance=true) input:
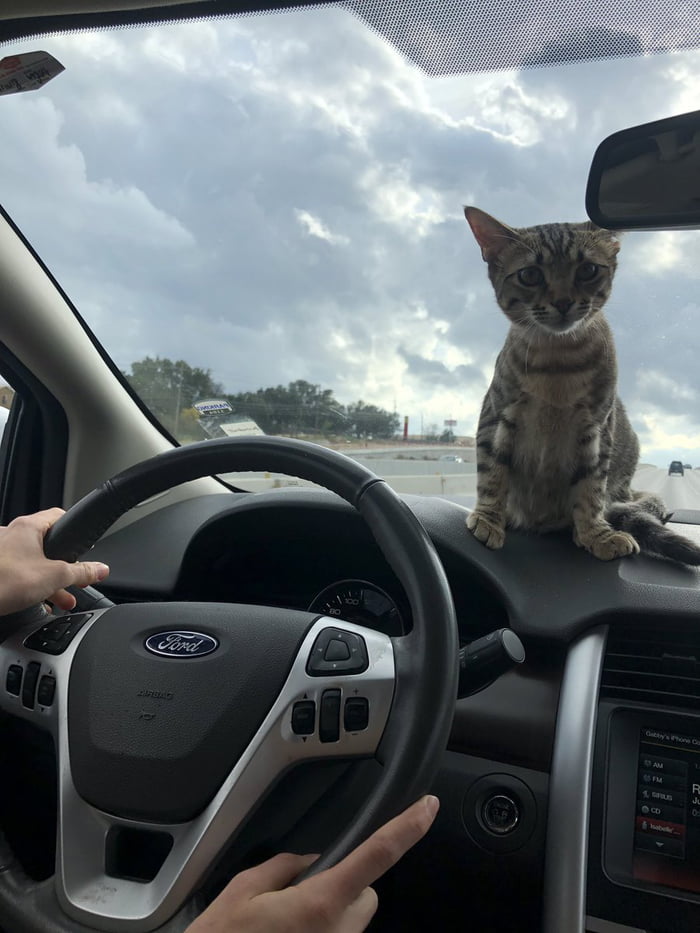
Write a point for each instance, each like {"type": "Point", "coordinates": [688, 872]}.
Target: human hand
{"type": "Point", "coordinates": [27, 576]}
{"type": "Point", "coordinates": [338, 900]}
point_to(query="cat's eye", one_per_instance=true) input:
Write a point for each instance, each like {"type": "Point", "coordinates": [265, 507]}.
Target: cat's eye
{"type": "Point", "coordinates": [530, 275]}
{"type": "Point", "coordinates": [586, 271]}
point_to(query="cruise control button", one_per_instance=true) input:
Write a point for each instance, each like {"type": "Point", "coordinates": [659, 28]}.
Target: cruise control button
{"type": "Point", "coordinates": [56, 631]}
{"type": "Point", "coordinates": [46, 691]}
{"type": "Point", "coordinates": [352, 646]}
{"type": "Point", "coordinates": [329, 720]}
{"type": "Point", "coordinates": [356, 714]}
{"type": "Point", "coordinates": [13, 681]}
{"type": "Point", "coordinates": [56, 635]}
{"type": "Point", "coordinates": [304, 717]}
{"type": "Point", "coordinates": [29, 685]}
{"type": "Point", "coordinates": [336, 650]}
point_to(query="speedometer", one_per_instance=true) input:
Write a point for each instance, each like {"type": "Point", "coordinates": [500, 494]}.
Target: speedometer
{"type": "Point", "coordinates": [360, 602]}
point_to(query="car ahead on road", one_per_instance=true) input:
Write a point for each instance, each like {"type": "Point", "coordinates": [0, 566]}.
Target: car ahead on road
{"type": "Point", "coordinates": [266, 209]}
{"type": "Point", "coordinates": [451, 458]}
{"type": "Point", "coordinates": [687, 466]}
{"type": "Point", "coordinates": [676, 468]}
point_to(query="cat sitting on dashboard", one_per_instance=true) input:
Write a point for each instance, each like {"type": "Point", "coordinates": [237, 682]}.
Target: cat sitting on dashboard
{"type": "Point", "coordinates": [555, 448]}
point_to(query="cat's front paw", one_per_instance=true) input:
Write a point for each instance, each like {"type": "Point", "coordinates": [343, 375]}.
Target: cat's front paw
{"type": "Point", "coordinates": [490, 532]}
{"type": "Point", "coordinates": [607, 544]}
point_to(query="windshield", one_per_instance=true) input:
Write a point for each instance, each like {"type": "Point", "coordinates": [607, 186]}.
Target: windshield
{"type": "Point", "coordinates": [261, 219]}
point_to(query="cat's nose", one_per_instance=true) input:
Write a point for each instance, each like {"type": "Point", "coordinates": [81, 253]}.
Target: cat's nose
{"type": "Point", "coordinates": [563, 305]}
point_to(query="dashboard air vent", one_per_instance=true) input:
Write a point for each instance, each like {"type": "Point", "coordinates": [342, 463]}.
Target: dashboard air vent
{"type": "Point", "coordinates": [658, 666]}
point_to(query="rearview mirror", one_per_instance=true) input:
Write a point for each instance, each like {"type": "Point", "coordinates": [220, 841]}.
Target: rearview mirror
{"type": "Point", "coordinates": [648, 177]}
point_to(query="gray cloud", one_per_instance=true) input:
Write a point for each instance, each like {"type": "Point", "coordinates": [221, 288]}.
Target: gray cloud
{"type": "Point", "coordinates": [433, 371]}
{"type": "Point", "coordinates": [163, 177]}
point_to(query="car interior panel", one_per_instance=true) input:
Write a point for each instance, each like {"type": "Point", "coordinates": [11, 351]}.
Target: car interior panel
{"type": "Point", "coordinates": [298, 636]}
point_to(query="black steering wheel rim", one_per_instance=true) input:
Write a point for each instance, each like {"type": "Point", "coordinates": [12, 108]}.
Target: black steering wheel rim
{"type": "Point", "coordinates": [426, 659]}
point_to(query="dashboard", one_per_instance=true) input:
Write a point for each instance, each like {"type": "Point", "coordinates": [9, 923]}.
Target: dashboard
{"type": "Point", "coordinates": [571, 786]}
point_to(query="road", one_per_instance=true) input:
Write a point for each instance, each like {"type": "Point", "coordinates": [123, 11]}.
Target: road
{"type": "Point", "coordinates": [678, 492]}
{"type": "Point", "coordinates": [439, 477]}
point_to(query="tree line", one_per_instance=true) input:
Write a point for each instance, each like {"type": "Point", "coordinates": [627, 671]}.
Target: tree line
{"type": "Point", "coordinates": [170, 388]}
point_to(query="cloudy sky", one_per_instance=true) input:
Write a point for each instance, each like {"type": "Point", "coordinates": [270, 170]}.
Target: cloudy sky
{"type": "Point", "coordinates": [280, 197]}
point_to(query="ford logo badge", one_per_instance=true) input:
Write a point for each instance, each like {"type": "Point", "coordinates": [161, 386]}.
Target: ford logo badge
{"type": "Point", "coordinates": [178, 644]}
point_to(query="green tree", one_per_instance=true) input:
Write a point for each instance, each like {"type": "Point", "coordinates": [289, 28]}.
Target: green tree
{"type": "Point", "coordinates": [170, 387]}
{"type": "Point", "coordinates": [298, 408]}
{"type": "Point", "coordinates": [371, 421]}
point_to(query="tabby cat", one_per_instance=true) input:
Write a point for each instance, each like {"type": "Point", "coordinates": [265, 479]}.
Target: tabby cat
{"type": "Point", "coordinates": [555, 448]}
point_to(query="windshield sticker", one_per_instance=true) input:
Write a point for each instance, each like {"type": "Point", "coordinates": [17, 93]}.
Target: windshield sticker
{"type": "Point", "coordinates": [27, 72]}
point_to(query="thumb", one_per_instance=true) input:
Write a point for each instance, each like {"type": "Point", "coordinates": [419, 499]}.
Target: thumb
{"type": "Point", "coordinates": [85, 573]}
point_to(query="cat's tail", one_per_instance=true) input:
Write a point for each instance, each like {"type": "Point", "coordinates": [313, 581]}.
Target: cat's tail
{"type": "Point", "coordinates": [645, 519]}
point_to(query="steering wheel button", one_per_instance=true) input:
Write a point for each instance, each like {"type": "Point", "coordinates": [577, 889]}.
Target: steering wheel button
{"type": "Point", "coordinates": [356, 715]}
{"type": "Point", "coordinates": [29, 686]}
{"type": "Point", "coordinates": [13, 680]}
{"type": "Point", "coordinates": [329, 721]}
{"type": "Point", "coordinates": [304, 717]}
{"type": "Point", "coordinates": [336, 650]}
{"type": "Point", "coordinates": [46, 691]}
{"type": "Point", "coordinates": [56, 631]}
{"type": "Point", "coordinates": [55, 636]}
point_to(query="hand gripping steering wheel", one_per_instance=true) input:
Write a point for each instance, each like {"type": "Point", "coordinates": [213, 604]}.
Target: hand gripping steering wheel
{"type": "Point", "coordinates": [172, 721]}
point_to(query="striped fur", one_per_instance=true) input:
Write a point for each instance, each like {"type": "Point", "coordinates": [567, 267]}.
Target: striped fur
{"type": "Point", "coordinates": [555, 448]}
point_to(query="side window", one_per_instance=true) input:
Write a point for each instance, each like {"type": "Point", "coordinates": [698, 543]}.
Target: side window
{"type": "Point", "coordinates": [33, 441]}
{"type": "Point", "coordinates": [7, 395]}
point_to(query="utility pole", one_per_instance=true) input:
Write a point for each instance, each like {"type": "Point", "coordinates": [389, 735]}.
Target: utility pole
{"type": "Point", "coordinates": [177, 407]}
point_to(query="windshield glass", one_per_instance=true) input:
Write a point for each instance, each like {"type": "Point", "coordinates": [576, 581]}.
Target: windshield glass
{"type": "Point", "coordinates": [261, 218]}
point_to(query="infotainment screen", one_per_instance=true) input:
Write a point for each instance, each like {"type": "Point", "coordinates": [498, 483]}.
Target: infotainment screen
{"type": "Point", "coordinates": [666, 849]}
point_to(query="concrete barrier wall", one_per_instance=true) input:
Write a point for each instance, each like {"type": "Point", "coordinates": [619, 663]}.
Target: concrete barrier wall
{"type": "Point", "coordinates": [424, 485]}
{"type": "Point", "coordinates": [427, 483]}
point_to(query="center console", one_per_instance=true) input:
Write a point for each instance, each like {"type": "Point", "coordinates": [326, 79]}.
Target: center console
{"type": "Point", "coordinates": [652, 803]}
{"type": "Point", "coordinates": [644, 842]}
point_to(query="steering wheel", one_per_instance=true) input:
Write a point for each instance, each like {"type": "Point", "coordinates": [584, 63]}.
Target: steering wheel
{"type": "Point", "coordinates": [173, 721]}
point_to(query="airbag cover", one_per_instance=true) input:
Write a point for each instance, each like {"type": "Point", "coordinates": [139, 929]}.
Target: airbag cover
{"type": "Point", "coordinates": [153, 737]}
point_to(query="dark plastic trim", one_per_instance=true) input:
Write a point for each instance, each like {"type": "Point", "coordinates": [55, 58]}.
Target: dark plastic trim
{"type": "Point", "coordinates": [26, 27]}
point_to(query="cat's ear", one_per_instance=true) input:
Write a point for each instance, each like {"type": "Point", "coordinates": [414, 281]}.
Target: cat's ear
{"type": "Point", "coordinates": [613, 236]}
{"type": "Point", "coordinates": [491, 235]}
{"type": "Point", "coordinates": [615, 241]}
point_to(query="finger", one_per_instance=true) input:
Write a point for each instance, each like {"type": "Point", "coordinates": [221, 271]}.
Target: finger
{"type": "Point", "coordinates": [360, 912]}
{"type": "Point", "coordinates": [85, 573]}
{"type": "Point", "coordinates": [273, 875]}
{"type": "Point", "coordinates": [42, 521]}
{"type": "Point", "coordinates": [63, 599]}
{"type": "Point", "coordinates": [82, 574]}
{"type": "Point", "coordinates": [379, 853]}
{"type": "Point", "coordinates": [50, 516]}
